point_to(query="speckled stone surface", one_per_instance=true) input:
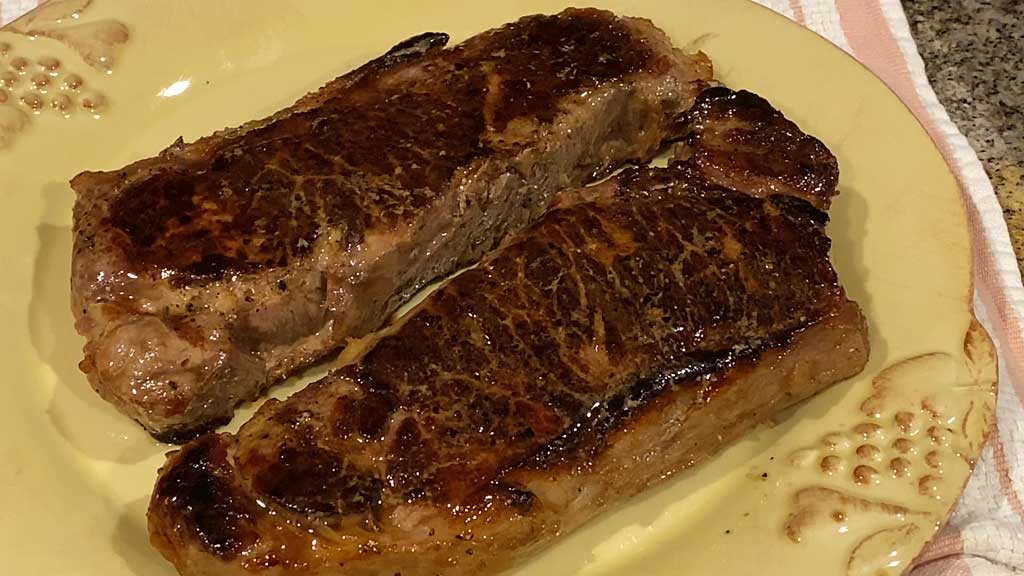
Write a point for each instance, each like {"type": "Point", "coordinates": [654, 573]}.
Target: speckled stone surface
{"type": "Point", "coordinates": [973, 51]}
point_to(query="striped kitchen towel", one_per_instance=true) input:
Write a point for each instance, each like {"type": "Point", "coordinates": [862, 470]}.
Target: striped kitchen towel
{"type": "Point", "coordinates": [985, 536]}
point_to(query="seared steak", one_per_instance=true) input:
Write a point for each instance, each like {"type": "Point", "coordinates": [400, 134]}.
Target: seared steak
{"type": "Point", "coordinates": [206, 274]}
{"type": "Point", "coordinates": [739, 141]}
{"type": "Point", "coordinates": [634, 330]}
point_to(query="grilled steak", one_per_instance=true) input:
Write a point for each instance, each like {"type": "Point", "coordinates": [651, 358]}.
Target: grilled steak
{"type": "Point", "coordinates": [207, 273]}
{"type": "Point", "coordinates": [635, 329]}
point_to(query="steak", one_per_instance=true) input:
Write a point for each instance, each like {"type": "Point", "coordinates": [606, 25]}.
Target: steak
{"type": "Point", "coordinates": [737, 140]}
{"type": "Point", "coordinates": [631, 332]}
{"type": "Point", "coordinates": [204, 275]}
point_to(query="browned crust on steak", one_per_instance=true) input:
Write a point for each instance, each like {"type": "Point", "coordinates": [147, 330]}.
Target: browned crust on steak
{"type": "Point", "coordinates": [619, 340]}
{"type": "Point", "coordinates": [737, 140]}
{"type": "Point", "coordinates": [205, 274]}
{"type": "Point", "coordinates": [401, 144]}
{"type": "Point", "coordinates": [680, 431]}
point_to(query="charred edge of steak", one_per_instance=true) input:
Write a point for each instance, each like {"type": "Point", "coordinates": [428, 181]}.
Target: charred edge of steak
{"type": "Point", "coordinates": [412, 48]}
{"type": "Point", "coordinates": [518, 499]}
{"type": "Point", "coordinates": [183, 433]}
{"type": "Point", "coordinates": [200, 491]}
{"type": "Point", "coordinates": [738, 140]}
{"type": "Point", "coordinates": [585, 438]}
{"type": "Point", "coordinates": [800, 208]}
{"type": "Point", "coordinates": [405, 51]}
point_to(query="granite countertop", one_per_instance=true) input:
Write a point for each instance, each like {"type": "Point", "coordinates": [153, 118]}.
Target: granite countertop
{"type": "Point", "coordinates": [973, 51]}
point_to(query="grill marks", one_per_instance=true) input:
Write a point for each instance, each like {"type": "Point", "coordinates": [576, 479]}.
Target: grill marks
{"type": "Point", "coordinates": [537, 354]}
{"type": "Point", "coordinates": [372, 154]}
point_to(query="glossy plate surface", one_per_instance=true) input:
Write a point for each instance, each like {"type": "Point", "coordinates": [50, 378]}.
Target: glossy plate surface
{"type": "Point", "coordinates": [853, 482]}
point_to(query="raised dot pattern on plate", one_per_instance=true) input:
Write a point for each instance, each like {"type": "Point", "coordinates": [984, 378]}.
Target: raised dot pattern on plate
{"type": "Point", "coordinates": [33, 86]}
{"type": "Point", "coordinates": [893, 459]}
{"type": "Point", "coordinates": [44, 83]}
{"type": "Point", "coordinates": [872, 448]}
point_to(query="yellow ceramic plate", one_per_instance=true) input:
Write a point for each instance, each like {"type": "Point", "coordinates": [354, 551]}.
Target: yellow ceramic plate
{"type": "Point", "coordinates": [853, 482]}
